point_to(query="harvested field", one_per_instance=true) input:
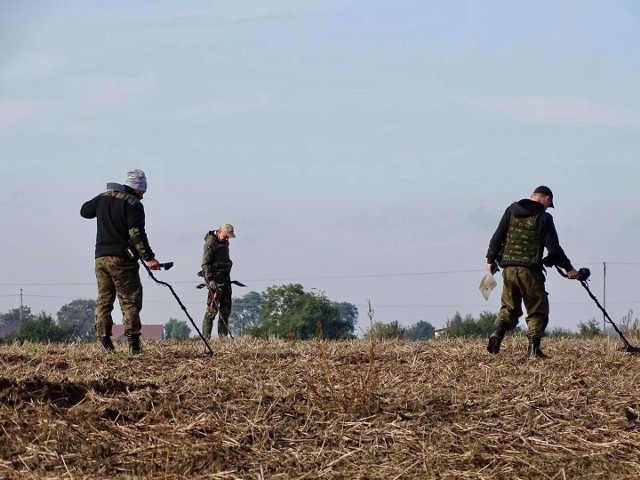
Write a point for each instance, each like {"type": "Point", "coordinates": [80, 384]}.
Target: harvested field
{"type": "Point", "coordinates": [441, 409]}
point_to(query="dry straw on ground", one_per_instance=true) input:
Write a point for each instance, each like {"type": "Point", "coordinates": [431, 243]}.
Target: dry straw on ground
{"type": "Point", "coordinates": [293, 410]}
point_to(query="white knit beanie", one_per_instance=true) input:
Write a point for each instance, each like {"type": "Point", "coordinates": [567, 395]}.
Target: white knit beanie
{"type": "Point", "coordinates": [137, 180]}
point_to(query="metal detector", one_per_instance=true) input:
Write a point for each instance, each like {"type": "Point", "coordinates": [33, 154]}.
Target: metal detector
{"type": "Point", "coordinates": [213, 292]}
{"type": "Point", "coordinates": [167, 266]}
{"type": "Point", "coordinates": [583, 276]}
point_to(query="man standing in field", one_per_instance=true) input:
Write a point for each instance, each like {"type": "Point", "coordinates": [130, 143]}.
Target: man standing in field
{"type": "Point", "coordinates": [216, 270]}
{"type": "Point", "coordinates": [517, 246]}
{"type": "Point", "coordinates": [120, 241]}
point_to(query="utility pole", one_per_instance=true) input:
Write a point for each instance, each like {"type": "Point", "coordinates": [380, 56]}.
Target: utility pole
{"type": "Point", "coordinates": [21, 308]}
{"type": "Point", "coordinates": [604, 295]}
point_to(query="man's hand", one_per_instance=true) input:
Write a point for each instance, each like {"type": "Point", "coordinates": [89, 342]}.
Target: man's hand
{"type": "Point", "coordinates": [213, 285]}
{"type": "Point", "coordinates": [572, 274]}
{"type": "Point", "coordinates": [493, 268]}
{"type": "Point", "coordinates": [153, 264]}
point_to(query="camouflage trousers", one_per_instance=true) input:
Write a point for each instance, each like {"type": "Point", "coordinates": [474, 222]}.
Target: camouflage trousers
{"type": "Point", "coordinates": [118, 277]}
{"type": "Point", "coordinates": [224, 301]}
{"type": "Point", "coordinates": [524, 284]}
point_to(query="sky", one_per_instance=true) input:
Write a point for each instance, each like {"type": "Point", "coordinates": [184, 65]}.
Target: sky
{"type": "Point", "coordinates": [364, 149]}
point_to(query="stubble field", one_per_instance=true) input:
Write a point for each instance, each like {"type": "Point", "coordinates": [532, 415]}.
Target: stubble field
{"type": "Point", "coordinates": [273, 409]}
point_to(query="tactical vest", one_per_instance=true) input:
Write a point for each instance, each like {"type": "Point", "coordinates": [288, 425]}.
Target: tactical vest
{"type": "Point", "coordinates": [219, 262]}
{"type": "Point", "coordinates": [523, 245]}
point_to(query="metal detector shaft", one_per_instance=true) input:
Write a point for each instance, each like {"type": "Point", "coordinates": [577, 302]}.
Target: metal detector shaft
{"type": "Point", "coordinates": [606, 315]}
{"type": "Point", "coordinates": [212, 292]}
{"type": "Point", "coordinates": [184, 309]}
{"type": "Point", "coordinates": [583, 281]}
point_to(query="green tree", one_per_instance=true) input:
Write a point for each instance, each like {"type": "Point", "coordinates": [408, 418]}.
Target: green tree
{"type": "Point", "coordinates": [559, 332]}
{"type": "Point", "coordinates": [12, 317]}
{"type": "Point", "coordinates": [471, 327]}
{"type": "Point", "coordinates": [338, 318]}
{"type": "Point", "coordinates": [175, 329]}
{"type": "Point", "coordinates": [420, 331]}
{"type": "Point", "coordinates": [348, 314]}
{"type": "Point", "coordinates": [42, 328]}
{"type": "Point", "coordinates": [289, 311]}
{"type": "Point", "coordinates": [79, 314]}
{"type": "Point", "coordinates": [381, 330]}
{"type": "Point", "coordinates": [245, 313]}
{"type": "Point", "coordinates": [589, 329]}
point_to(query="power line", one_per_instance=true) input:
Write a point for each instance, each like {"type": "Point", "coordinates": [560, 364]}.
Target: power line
{"type": "Point", "coordinates": [319, 277]}
{"type": "Point", "coordinates": [378, 305]}
{"type": "Point", "coordinates": [324, 277]}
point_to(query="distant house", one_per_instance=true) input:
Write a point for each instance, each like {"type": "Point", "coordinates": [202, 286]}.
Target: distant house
{"type": "Point", "coordinates": [148, 332]}
{"type": "Point", "coordinates": [7, 330]}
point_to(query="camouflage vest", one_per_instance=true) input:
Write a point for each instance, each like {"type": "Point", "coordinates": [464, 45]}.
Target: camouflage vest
{"type": "Point", "coordinates": [523, 245]}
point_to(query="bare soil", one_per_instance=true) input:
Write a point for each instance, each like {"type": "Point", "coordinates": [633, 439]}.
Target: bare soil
{"type": "Point", "coordinates": [442, 409]}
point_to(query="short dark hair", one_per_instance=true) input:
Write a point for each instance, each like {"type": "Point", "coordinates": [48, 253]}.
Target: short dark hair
{"type": "Point", "coordinates": [544, 190]}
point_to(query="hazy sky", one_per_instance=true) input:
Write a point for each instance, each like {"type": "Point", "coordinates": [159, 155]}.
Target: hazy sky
{"type": "Point", "coordinates": [363, 148]}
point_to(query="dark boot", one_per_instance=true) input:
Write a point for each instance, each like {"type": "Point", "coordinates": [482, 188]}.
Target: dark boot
{"type": "Point", "coordinates": [107, 344]}
{"type": "Point", "coordinates": [495, 340]}
{"type": "Point", "coordinates": [134, 344]}
{"type": "Point", "coordinates": [534, 348]}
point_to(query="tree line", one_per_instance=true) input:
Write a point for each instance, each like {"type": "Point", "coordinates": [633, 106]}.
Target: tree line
{"type": "Point", "coordinates": [285, 311]}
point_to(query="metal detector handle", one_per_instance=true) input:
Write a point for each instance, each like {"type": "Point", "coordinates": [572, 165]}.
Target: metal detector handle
{"type": "Point", "coordinates": [583, 274]}
{"type": "Point", "coordinates": [235, 282]}
{"type": "Point", "coordinates": [166, 265]}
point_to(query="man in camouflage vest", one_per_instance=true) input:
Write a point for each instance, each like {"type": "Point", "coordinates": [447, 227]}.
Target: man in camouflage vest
{"type": "Point", "coordinates": [517, 246]}
{"type": "Point", "coordinates": [216, 270]}
{"type": "Point", "coordinates": [120, 241]}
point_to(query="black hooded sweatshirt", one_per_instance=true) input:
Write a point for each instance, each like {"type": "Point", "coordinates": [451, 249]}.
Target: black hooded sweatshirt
{"type": "Point", "coordinates": [545, 230]}
{"type": "Point", "coordinates": [121, 222]}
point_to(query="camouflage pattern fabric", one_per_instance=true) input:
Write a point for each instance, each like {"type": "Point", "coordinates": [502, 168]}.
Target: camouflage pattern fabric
{"type": "Point", "coordinates": [522, 245]}
{"type": "Point", "coordinates": [224, 300]}
{"type": "Point", "coordinates": [118, 277]}
{"type": "Point", "coordinates": [524, 284]}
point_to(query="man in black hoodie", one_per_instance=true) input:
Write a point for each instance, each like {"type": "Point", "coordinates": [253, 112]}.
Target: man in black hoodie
{"type": "Point", "coordinates": [120, 240]}
{"type": "Point", "coordinates": [216, 270]}
{"type": "Point", "coordinates": [517, 246]}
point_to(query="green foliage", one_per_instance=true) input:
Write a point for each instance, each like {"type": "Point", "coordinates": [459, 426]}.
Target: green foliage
{"type": "Point", "coordinates": [589, 329]}
{"type": "Point", "coordinates": [420, 331]}
{"type": "Point", "coordinates": [289, 311]}
{"type": "Point", "coordinates": [12, 317]}
{"type": "Point", "coordinates": [245, 313]}
{"type": "Point", "coordinates": [348, 313]}
{"type": "Point", "coordinates": [469, 326]}
{"type": "Point", "coordinates": [79, 315]}
{"type": "Point", "coordinates": [42, 328]}
{"type": "Point", "coordinates": [175, 329]}
{"type": "Point", "coordinates": [559, 332]}
{"type": "Point", "coordinates": [381, 330]}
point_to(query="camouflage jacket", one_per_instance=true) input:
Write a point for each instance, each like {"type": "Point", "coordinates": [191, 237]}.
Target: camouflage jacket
{"type": "Point", "coordinates": [216, 263]}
